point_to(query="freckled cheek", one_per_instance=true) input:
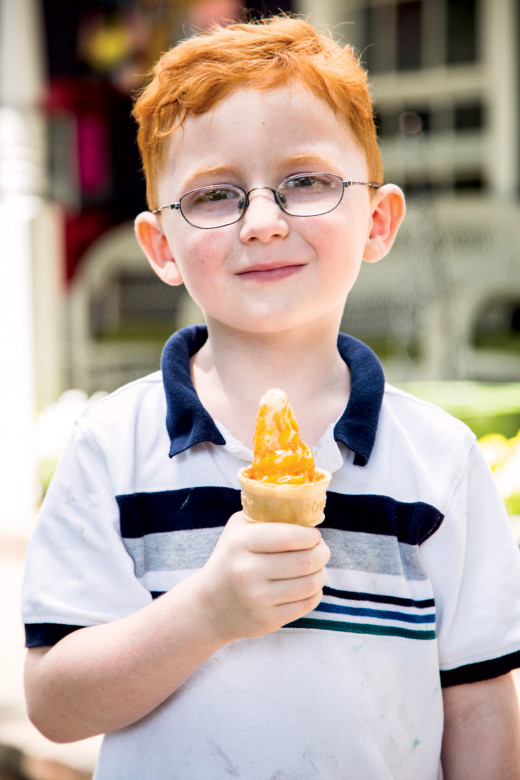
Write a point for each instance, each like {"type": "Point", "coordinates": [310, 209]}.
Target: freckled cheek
{"type": "Point", "coordinates": [203, 249]}
{"type": "Point", "coordinates": [326, 231]}
{"type": "Point", "coordinates": [329, 243]}
{"type": "Point", "coordinates": [348, 239]}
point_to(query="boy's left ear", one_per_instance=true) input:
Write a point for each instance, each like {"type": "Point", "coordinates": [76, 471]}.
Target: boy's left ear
{"type": "Point", "coordinates": [388, 209]}
{"type": "Point", "coordinates": [153, 242]}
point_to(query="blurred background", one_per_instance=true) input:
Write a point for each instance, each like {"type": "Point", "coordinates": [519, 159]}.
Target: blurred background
{"type": "Point", "coordinates": [82, 313]}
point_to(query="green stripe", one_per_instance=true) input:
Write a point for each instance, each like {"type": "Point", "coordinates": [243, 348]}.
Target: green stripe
{"type": "Point", "coordinates": [360, 628]}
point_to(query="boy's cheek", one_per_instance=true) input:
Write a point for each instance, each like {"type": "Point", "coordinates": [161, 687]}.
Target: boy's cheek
{"type": "Point", "coordinates": [195, 246]}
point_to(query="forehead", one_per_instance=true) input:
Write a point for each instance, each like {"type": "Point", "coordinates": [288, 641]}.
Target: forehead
{"type": "Point", "coordinates": [260, 130]}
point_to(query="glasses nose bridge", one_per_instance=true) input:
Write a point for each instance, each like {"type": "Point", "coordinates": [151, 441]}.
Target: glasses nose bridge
{"type": "Point", "coordinates": [275, 193]}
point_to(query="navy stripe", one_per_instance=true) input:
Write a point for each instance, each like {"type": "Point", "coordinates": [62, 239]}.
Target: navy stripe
{"type": "Point", "coordinates": [46, 634]}
{"type": "Point", "coordinates": [485, 670]}
{"type": "Point", "coordinates": [176, 510]}
{"type": "Point", "coordinates": [362, 612]}
{"type": "Point", "coordinates": [398, 601]}
{"type": "Point", "coordinates": [411, 523]}
{"type": "Point", "coordinates": [375, 613]}
{"type": "Point", "coordinates": [360, 628]}
{"type": "Point", "coordinates": [210, 507]}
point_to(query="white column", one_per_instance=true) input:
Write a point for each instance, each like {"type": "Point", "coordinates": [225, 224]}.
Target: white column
{"type": "Point", "coordinates": [22, 184]}
{"type": "Point", "coordinates": [499, 29]}
{"type": "Point", "coordinates": [321, 11]}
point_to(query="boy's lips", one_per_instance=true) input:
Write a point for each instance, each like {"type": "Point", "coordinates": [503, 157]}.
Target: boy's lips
{"type": "Point", "coordinates": [270, 271]}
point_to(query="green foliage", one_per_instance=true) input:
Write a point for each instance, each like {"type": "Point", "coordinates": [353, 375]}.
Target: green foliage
{"type": "Point", "coordinates": [492, 411]}
{"type": "Point", "coordinates": [503, 456]}
{"type": "Point", "coordinates": [45, 468]}
{"type": "Point", "coordinates": [484, 406]}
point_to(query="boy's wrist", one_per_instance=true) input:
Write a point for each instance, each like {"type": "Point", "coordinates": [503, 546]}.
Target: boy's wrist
{"type": "Point", "coordinates": [202, 615]}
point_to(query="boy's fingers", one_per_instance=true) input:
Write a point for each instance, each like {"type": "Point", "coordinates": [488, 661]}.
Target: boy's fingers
{"type": "Point", "coordinates": [298, 589]}
{"type": "Point", "coordinates": [297, 563]}
{"type": "Point", "coordinates": [275, 537]}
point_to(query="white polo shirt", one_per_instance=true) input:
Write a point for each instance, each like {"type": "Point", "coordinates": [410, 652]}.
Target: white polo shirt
{"type": "Point", "coordinates": [423, 584]}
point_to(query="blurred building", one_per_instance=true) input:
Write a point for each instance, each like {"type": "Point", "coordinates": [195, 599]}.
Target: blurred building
{"type": "Point", "coordinates": [444, 75]}
{"type": "Point", "coordinates": [79, 306]}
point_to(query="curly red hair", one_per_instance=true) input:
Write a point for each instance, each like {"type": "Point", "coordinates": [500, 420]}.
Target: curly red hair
{"type": "Point", "coordinates": [199, 72]}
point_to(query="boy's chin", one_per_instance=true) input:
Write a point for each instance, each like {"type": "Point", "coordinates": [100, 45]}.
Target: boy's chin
{"type": "Point", "coordinates": [265, 327]}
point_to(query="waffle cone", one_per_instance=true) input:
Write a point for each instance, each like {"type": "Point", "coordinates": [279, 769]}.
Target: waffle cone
{"type": "Point", "coordinates": [265, 502]}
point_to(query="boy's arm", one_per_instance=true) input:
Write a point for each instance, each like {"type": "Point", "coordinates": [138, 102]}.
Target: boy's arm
{"type": "Point", "coordinates": [481, 731]}
{"type": "Point", "coordinates": [98, 679]}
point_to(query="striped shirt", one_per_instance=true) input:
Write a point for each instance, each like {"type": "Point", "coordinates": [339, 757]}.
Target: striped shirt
{"type": "Point", "coordinates": [422, 554]}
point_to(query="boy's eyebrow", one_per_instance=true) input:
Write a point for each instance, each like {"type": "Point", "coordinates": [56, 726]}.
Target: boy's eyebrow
{"type": "Point", "coordinates": [311, 159]}
{"type": "Point", "coordinates": [210, 170]}
{"type": "Point", "coordinates": [222, 170]}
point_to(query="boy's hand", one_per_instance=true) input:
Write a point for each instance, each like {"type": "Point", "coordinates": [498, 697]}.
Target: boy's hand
{"type": "Point", "coordinates": [261, 576]}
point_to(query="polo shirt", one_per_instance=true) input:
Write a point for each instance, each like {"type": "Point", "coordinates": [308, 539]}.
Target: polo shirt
{"type": "Point", "coordinates": [422, 591]}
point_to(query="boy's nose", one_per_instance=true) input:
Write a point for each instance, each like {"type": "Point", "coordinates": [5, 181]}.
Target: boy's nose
{"type": "Point", "coordinates": [263, 219]}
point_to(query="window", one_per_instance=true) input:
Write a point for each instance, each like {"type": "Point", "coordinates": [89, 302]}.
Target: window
{"type": "Point", "coordinates": [388, 123]}
{"type": "Point", "coordinates": [468, 117]}
{"type": "Point", "coordinates": [469, 181]}
{"type": "Point", "coordinates": [408, 35]}
{"type": "Point", "coordinates": [380, 43]}
{"type": "Point", "coordinates": [461, 31]}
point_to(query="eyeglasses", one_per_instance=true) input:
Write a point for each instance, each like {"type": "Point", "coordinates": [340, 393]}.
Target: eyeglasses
{"type": "Point", "coordinates": [302, 195]}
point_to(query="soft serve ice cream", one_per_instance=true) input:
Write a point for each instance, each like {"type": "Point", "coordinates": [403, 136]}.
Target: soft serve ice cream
{"type": "Point", "coordinates": [280, 456]}
{"type": "Point", "coordinates": [282, 484]}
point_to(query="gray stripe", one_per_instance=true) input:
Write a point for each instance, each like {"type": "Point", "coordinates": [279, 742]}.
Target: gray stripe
{"type": "Point", "coordinates": [172, 551]}
{"type": "Point", "coordinates": [178, 550]}
{"type": "Point", "coordinates": [373, 553]}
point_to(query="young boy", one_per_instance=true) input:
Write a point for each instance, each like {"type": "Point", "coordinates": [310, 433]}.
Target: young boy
{"type": "Point", "coordinates": [209, 647]}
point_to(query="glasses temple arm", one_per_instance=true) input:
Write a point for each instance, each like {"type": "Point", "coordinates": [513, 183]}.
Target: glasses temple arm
{"type": "Point", "coordinates": [171, 206]}
{"type": "Point", "coordinates": [363, 183]}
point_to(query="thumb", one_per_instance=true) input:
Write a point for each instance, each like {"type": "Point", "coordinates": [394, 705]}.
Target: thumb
{"type": "Point", "coordinates": [237, 519]}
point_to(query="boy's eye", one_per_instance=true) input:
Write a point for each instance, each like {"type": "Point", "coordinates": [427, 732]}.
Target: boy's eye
{"type": "Point", "coordinates": [309, 182]}
{"type": "Point", "coordinates": [210, 200]}
{"type": "Point", "coordinates": [208, 207]}
{"type": "Point", "coordinates": [214, 196]}
{"type": "Point", "coordinates": [302, 181]}
{"type": "Point", "coordinates": [310, 194]}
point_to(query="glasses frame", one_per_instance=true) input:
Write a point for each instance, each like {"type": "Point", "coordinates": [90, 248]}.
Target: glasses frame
{"type": "Point", "coordinates": [277, 197]}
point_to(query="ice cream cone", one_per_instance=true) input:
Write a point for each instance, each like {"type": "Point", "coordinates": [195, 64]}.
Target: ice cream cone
{"type": "Point", "coordinates": [265, 502]}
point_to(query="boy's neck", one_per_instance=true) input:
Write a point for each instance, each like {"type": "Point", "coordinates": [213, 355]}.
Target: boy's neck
{"type": "Point", "coordinates": [232, 371]}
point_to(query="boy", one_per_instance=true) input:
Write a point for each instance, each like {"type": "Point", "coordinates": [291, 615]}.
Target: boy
{"type": "Point", "coordinates": [208, 647]}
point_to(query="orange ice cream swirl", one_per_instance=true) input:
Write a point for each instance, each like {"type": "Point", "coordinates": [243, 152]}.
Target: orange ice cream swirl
{"type": "Point", "coordinates": [280, 456]}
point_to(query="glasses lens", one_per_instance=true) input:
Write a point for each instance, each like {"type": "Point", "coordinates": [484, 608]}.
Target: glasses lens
{"type": "Point", "coordinates": [210, 207]}
{"type": "Point", "coordinates": [310, 194]}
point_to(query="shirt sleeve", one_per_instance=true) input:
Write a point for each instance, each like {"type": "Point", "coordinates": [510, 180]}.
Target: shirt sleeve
{"type": "Point", "coordinates": [473, 562]}
{"type": "Point", "coordinates": [78, 572]}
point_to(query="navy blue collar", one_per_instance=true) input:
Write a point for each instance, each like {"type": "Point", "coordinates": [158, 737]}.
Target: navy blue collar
{"type": "Point", "coordinates": [189, 423]}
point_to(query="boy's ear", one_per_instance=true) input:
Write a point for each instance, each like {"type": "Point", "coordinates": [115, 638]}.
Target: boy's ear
{"type": "Point", "coordinates": [153, 242]}
{"type": "Point", "coordinates": [388, 209]}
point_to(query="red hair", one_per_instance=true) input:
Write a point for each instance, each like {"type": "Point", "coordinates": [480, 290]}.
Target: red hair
{"type": "Point", "coordinates": [199, 72]}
